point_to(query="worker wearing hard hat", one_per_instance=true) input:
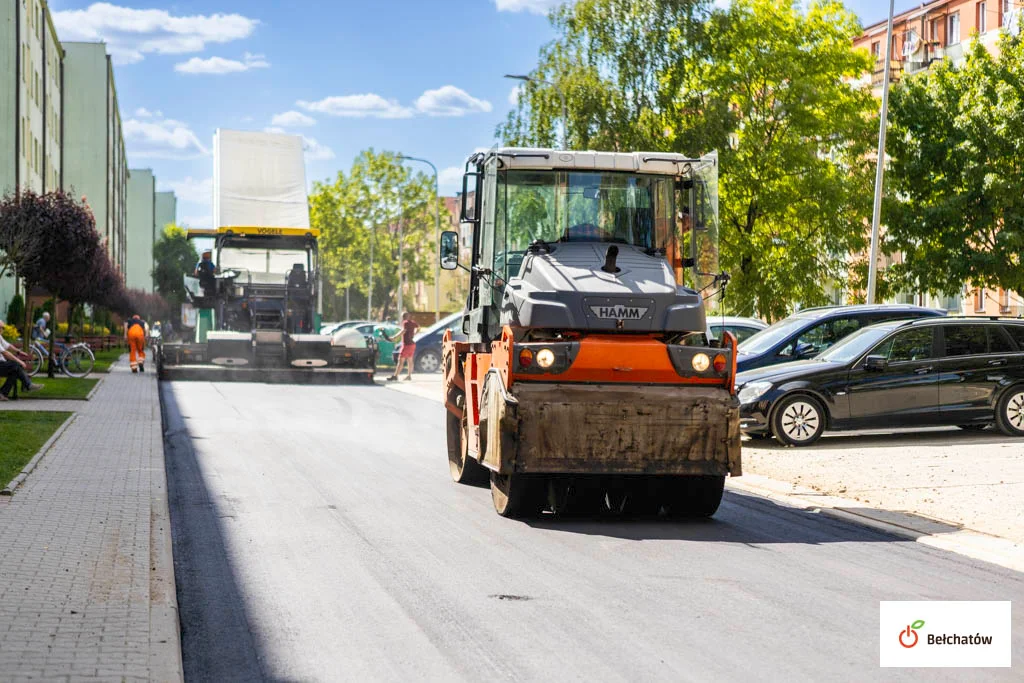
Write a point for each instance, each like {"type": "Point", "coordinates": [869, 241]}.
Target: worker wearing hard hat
{"type": "Point", "coordinates": [205, 270]}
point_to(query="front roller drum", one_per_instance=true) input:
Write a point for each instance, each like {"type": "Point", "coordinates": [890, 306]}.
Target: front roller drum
{"type": "Point", "coordinates": [463, 469]}
{"type": "Point", "coordinates": [518, 495]}
{"type": "Point", "coordinates": [692, 495]}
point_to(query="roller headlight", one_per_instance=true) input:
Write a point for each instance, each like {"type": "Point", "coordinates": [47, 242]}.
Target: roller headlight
{"type": "Point", "coordinates": [545, 358]}
{"type": "Point", "coordinates": [753, 391]}
{"type": "Point", "coordinates": [701, 362]}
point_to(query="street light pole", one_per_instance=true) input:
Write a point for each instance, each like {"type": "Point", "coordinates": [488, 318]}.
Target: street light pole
{"type": "Point", "coordinates": [437, 234]}
{"type": "Point", "coordinates": [369, 293]}
{"type": "Point", "coordinates": [401, 262]}
{"type": "Point", "coordinates": [876, 216]}
{"type": "Point", "coordinates": [561, 96]}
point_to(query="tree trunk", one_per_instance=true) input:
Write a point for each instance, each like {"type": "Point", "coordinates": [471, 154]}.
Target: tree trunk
{"type": "Point", "coordinates": [53, 338]}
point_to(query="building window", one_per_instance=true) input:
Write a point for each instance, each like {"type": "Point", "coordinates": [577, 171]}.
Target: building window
{"type": "Point", "coordinates": [1005, 6]}
{"type": "Point", "coordinates": [1004, 301]}
{"type": "Point", "coordinates": [982, 18]}
{"type": "Point", "coordinates": [979, 300]}
{"type": "Point", "coordinates": [876, 50]}
{"type": "Point", "coordinates": [934, 27]}
{"type": "Point", "coordinates": [953, 30]}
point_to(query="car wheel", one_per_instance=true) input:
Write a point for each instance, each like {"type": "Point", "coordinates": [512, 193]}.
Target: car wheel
{"type": "Point", "coordinates": [798, 421]}
{"type": "Point", "coordinates": [428, 361]}
{"type": "Point", "coordinates": [1010, 412]}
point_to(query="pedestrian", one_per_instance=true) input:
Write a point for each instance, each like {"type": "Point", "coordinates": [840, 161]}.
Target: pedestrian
{"type": "Point", "coordinates": [135, 335]}
{"type": "Point", "coordinates": [408, 352]}
{"type": "Point", "coordinates": [13, 368]}
{"type": "Point", "coordinates": [39, 332]}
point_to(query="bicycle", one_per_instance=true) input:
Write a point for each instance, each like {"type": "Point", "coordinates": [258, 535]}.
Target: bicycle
{"type": "Point", "coordinates": [76, 360]}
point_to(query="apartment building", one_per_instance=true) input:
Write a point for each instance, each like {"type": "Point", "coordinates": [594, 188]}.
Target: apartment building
{"type": "Point", "coordinates": [31, 85]}
{"type": "Point", "coordinates": [95, 165]}
{"type": "Point", "coordinates": [166, 210]}
{"type": "Point", "coordinates": [933, 31]}
{"type": "Point", "coordinates": [141, 228]}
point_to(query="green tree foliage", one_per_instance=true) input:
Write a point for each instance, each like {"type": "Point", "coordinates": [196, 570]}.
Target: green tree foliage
{"type": "Point", "coordinates": [767, 84]}
{"type": "Point", "coordinates": [16, 311]}
{"type": "Point", "coordinates": [173, 257]}
{"type": "Point", "coordinates": [377, 195]}
{"type": "Point", "coordinates": [954, 205]}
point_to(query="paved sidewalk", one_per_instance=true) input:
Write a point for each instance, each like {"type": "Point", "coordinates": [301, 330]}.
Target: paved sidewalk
{"type": "Point", "coordinates": [86, 577]}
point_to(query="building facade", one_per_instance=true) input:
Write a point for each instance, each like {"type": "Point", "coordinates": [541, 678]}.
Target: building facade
{"type": "Point", "coordinates": [934, 31]}
{"type": "Point", "coordinates": [95, 166]}
{"type": "Point", "coordinates": [141, 229]}
{"type": "Point", "coordinates": [31, 107]}
{"type": "Point", "coordinates": [166, 211]}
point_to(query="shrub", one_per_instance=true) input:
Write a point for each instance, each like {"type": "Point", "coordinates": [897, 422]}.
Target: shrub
{"type": "Point", "coordinates": [16, 311]}
{"type": "Point", "coordinates": [9, 332]}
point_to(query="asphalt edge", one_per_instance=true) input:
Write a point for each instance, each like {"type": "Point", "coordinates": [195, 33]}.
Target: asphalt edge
{"type": "Point", "coordinates": [31, 464]}
{"type": "Point", "coordinates": [165, 663]}
{"type": "Point", "coordinates": [967, 542]}
{"type": "Point", "coordinates": [964, 541]}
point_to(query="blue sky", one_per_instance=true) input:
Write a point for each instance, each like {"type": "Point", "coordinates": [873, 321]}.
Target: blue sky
{"type": "Point", "coordinates": [423, 77]}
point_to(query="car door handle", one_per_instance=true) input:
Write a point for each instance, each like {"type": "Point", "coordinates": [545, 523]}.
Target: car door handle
{"type": "Point", "coordinates": [994, 363]}
{"type": "Point", "coordinates": [923, 371]}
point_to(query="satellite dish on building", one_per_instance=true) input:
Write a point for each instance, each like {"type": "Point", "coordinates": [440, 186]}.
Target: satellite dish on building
{"type": "Point", "coordinates": [911, 43]}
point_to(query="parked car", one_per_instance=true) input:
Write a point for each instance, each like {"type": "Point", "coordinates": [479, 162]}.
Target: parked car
{"type": "Point", "coordinates": [327, 328]}
{"type": "Point", "coordinates": [807, 333]}
{"type": "Point", "coordinates": [334, 327]}
{"type": "Point", "coordinates": [959, 371]}
{"type": "Point", "coordinates": [380, 332]}
{"type": "Point", "coordinates": [742, 328]}
{"type": "Point", "coordinates": [428, 343]}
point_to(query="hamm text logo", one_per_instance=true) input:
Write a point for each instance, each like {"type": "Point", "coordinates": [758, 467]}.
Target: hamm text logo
{"type": "Point", "coordinates": [619, 312]}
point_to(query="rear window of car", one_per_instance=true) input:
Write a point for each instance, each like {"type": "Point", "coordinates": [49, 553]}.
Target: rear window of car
{"type": "Point", "coordinates": [1016, 333]}
{"type": "Point", "coordinates": [998, 342]}
{"type": "Point", "coordinates": [742, 333]}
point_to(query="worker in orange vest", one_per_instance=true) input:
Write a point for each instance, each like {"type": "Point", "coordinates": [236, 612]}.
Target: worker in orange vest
{"type": "Point", "coordinates": [135, 335]}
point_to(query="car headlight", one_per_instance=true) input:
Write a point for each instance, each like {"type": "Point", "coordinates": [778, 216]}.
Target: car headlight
{"type": "Point", "coordinates": [753, 391]}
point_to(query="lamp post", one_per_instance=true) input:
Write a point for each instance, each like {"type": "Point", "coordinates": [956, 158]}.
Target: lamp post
{"type": "Point", "coordinates": [437, 234]}
{"type": "Point", "coordinates": [561, 96]}
{"type": "Point", "coordinates": [369, 293]}
{"type": "Point", "coordinates": [876, 215]}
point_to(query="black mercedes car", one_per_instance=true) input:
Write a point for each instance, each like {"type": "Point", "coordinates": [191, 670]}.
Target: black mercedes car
{"type": "Point", "coordinates": [807, 333]}
{"type": "Point", "coordinates": [959, 371]}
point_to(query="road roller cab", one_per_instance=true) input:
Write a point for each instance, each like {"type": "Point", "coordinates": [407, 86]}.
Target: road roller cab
{"type": "Point", "coordinates": [587, 380]}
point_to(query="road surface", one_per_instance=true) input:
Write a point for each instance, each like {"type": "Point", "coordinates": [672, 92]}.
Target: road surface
{"type": "Point", "coordinates": [318, 537]}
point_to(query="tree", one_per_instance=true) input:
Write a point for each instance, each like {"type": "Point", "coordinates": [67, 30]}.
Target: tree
{"type": "Point", "coordinates": [16, 310]}
{"type": "Point", "coordinates": [173, 257]}
{"type": "Point", "coordinates": [954, 207]}
{"type": "Point", "coordinates": [377, 195]}
{"type": "Point", "coordinates": [765, 83]}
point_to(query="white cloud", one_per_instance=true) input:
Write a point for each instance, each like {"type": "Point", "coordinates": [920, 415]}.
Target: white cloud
{"type": "Point", "coordinates": [159, 138]}
{"type": "Point", "coordinates": [292, 119]}
{"type": "Point", "coordinates": [449, 180]}
{"type": "Point", "coordinates": [314, 151]}
{"type": "Point", "coordinates": [189, 189]}
{"type": "Point", "coordinates": [532, 6]}
{"type": "Point", "coordinates": [450, 101]}
{"type": "Point", "coordinates": [219, 65]}
{"type": "Point", "coordinates": [358, 106]}
{"type": "Point", "coordinates": [130, 34]}
{"type": "Point", "coordinates": [144, 113]}
{"type": "Point", "coordinates": [513, 95]}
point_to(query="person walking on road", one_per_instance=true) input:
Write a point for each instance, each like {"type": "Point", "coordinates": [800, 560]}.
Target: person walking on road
{"type": "Point", "coordinates": [135, 335]}
{"type": "Point", "coordinates": [408, 352]}
{"type": "Point", "coordinates": [13, 368]}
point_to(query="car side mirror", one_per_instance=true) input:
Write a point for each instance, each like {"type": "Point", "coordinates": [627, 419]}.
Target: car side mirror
{"type": "Point", "coordinates": [876, 363]}
{"type": "Point", "coordinates": [804, 351]}
{"type": "Point", "coordinates": [449, 253]}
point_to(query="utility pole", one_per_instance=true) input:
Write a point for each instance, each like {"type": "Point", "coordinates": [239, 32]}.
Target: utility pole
{"type": "Point", "coordinates": [437, 235]}
{"type": "Point", "coordinates": [401, 263]}
{"type": "Point", "coordinates": [561, 96]}
{"type": "Point", "coordinates": [369, 294]}
{"type": "Point", "coordinates": [876, 216]}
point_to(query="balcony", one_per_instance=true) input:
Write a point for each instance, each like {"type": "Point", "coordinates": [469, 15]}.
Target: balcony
{"type": "Point", "coordinates": [878, 75]}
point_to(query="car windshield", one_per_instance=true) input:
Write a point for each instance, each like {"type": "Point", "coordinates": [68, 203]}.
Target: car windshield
{"type": "Point", "coordinates": [770, 336]}
{"type": "Point", "coordinates": [853, 346]}
{"type": "Point", "coordinates": [557, 206]}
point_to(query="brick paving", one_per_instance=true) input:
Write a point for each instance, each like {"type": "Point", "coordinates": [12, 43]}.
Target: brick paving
{"type": "Point", "coordinates": [86, 582]}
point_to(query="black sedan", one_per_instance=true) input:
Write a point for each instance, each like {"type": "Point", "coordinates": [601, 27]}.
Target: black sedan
{"type": "Point", "coordinates": [967, 372]}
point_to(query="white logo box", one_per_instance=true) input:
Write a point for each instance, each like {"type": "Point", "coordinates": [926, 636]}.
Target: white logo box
{"type": "Point", "coordinates": [954, 634]}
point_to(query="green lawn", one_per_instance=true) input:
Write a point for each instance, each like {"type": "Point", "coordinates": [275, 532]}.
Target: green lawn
{"type": "Point", "coordinates": [104, 359]}
{"type": "Point", "coordinates": [59, 387]}
{"type": "Point", "coordinates": [22, 434]}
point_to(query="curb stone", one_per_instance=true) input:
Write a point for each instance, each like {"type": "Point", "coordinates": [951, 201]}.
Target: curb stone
{"type": "Point", "coordinates": [31, 464]}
